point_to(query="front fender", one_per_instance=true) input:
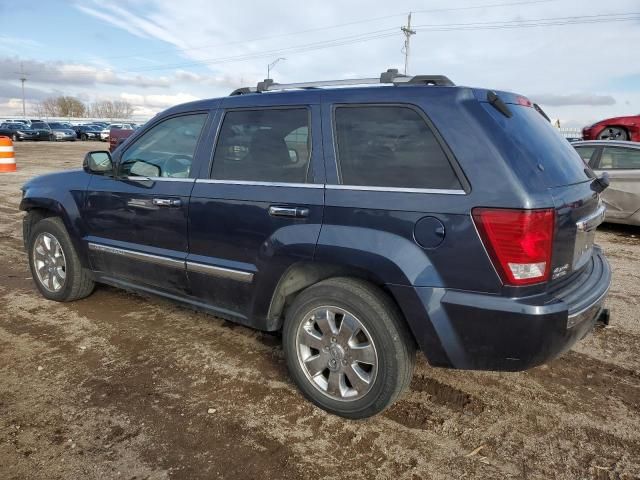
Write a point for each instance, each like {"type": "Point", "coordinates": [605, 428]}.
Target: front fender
{"type": "Point", "coordinates": [63, 200]}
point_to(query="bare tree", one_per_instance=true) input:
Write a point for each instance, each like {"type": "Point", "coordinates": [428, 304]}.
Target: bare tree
{"type": "Point", "coordinates": [111, 109]}
{"type": "Point", "coordinates": [62, 106]}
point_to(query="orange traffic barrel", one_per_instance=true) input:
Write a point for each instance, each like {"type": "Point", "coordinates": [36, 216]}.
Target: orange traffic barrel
{"type": "Point", "coordinates": [7, 156]}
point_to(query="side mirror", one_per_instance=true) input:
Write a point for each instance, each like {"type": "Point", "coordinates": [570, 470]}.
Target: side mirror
{"type": "Point", "coordinates": [98, 162]}
{"type": "Point", "coordinates": [144, 169]}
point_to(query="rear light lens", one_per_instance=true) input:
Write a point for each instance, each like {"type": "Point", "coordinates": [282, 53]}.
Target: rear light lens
{"type": "Point", "coordinates": [524, 101]}
{"type": "Point", "coordinates": [518, 241]}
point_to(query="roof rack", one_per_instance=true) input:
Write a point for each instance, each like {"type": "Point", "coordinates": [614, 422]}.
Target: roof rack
{"type": "Point", "coordinates": [391, 76]}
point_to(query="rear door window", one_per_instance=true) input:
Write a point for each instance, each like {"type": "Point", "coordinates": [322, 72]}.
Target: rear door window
{"type": "Point", "coordinates": [390, 146]}
{"type": "Point", "coordinates": [263, 145]}
{"type": "Point", "coordinates": [618, 158]}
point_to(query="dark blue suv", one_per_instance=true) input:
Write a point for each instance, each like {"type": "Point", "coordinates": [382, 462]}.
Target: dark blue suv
{"type": "Point", "coordinates": [362, 222]}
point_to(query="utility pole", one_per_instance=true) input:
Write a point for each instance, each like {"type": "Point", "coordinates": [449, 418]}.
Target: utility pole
{"type": "Point", "coordinates": [271, 65]}
{"type": "Point", "coordinates": [407, 34]}
{"type": "Point", "coordinates": [23, 78]}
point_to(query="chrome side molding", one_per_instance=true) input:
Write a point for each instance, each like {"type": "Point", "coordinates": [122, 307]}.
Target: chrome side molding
{"type": "Point", "coordinates": [144, 257]}
{"type": "Point", "coordinates": [230, 273]}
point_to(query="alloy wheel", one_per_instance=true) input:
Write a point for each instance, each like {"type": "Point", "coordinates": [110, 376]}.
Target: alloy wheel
{"type": "Point", "coordinates": [49, 262]}
{"type": "Point", "coordinates": [337, 353]}
{"type": "Point", "coordinates": [613, 133]}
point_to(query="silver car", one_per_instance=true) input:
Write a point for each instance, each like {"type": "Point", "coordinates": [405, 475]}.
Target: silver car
{"type": "Point", "coordinates": [622, 161]}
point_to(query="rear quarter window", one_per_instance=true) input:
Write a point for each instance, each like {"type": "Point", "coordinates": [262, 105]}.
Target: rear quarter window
{"type": "Point", "coordinates": [542, 144]}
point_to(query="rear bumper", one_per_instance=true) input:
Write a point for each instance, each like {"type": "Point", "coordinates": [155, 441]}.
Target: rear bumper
{"type": "Point", "coordinates": [486, 332]}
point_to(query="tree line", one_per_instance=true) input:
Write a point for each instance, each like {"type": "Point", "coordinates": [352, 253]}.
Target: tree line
{"type": "Point", "coordinates": [65, 106]}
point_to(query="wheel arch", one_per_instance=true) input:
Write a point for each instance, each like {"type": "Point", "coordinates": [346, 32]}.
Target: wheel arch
{"type": "Point", "coordinates": [37, 209]}
{"type": "Point", "coordinates": [303, 275]}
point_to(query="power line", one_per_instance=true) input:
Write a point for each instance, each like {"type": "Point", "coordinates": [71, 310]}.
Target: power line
{"type": "Point", "coordinates": [363, 37]}
{"type": "Point", "coordinates": [23, 78]}
{"type": "Point", "coordinates": [331, 27]}
{"type": "Point", "coordinates": [407, 39]}
{"type": "Point", "coordinates": [391, 32]}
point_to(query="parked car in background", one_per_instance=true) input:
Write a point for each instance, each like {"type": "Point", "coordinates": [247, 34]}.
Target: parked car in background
{"type": "Point", "coordinates": [87, 132]}
{"type": "Point", "coordinates": [357, 221]}
{"type": "Point", "coordinates": [43, 129]}
{"type": "Point", "coordinates": [618, 128]}
{"type": "Point", "coordinates": [117, 136]}
{"type": "Point", "coordinates": [621, 160]}
{"type": "Point", "coordinates": [9, 120]}
{"type": "Point", "coordinates": [18, 132]}
{"type": "Point", "coordinates": [62, 132]}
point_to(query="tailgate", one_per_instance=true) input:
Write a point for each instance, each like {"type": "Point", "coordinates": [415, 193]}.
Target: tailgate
{"type": "Point", "coordinates": [568, 179]}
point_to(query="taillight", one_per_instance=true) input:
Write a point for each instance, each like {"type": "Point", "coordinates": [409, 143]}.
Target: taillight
{"type": "Point", "coordinates": [518, 241]}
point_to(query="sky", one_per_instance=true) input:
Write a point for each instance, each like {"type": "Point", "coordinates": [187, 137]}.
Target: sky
{"type": "Point", "coordinates": [577, 58]}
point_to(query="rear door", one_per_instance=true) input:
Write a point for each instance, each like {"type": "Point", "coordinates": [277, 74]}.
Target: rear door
{"type": "Point", "coordinates": [258, 209]}
{"type": "Point", "coordinates": [137, 220]}
{"type": "Point", "coordinates": [623, 165]}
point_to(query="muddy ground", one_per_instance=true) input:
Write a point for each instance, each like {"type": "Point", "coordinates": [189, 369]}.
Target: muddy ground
{"type": "Point", "coordinates": [121, 386]}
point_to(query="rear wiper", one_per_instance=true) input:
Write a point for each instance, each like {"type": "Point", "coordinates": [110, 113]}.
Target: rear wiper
{"type": "Point", "coordinates": [601, 183]}
{"type": "Point", "coordinates": [497, 103]}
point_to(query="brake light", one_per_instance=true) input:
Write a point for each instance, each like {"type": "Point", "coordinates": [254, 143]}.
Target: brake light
{"type": "Point", "coordinates": [518, 241]}
{"type": "Point", "coordinates": [524, 101]}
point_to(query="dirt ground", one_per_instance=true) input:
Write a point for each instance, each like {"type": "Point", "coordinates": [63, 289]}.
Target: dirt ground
{"type": "Point", "coordinates": [122, 386]}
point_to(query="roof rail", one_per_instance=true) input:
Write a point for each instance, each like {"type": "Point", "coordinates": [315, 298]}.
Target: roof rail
{"type": "Point", "coordinates": [391, 76]}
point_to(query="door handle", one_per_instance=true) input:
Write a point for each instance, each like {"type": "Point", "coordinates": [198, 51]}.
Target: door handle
{"type": "Point", "coordinates": [295, 212]}
{"type": "Point", "coordinates": [167, 202]}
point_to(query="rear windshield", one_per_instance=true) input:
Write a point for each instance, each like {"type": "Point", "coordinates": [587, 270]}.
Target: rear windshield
{"type": "Point", "coordinates": [541, 142]}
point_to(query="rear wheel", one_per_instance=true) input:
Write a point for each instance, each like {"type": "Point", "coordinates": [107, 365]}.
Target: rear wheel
{"type": "Point", "coordinates": [83, 137]}
{"type": "Point", "coordinates": [348, 348]}
{"type": "Point", "coordinates": [613, 133]}
{"type": "Point", "coordinates": [54, 263]}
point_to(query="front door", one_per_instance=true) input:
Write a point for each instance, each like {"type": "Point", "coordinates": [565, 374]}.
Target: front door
{"type": "Point", "coordinates": [623, 166]}
{"type": "Point", "coordinates": [137, 219]}
{"type": "Point", "coordinates": [258, 210]}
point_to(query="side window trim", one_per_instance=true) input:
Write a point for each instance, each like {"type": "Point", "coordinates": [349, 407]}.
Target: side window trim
{"type": "Point", "coordinates": [223, 114]}
{"type": "Point", "coordinates": [158, 121]}
{"type": "Point", "coordinates": [464, 182]}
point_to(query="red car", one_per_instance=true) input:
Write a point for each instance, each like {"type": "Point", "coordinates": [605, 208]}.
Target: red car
{"type": "Point", "coordinates": [618, 128]}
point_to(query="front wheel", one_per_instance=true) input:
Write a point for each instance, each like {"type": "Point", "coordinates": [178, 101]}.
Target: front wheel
{"type": "Point", "coordinates": [348, 348]}
{"type": "Point", "coordinates": [83, 137]}
{"type": "Point", "coordinates": [54, 263]}
{"type": "Point", "coordinates": [15, 137]}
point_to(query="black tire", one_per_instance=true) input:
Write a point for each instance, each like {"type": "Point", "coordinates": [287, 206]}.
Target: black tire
{"type": "Point", "coordinates": [83, 137]}
{"type": "Point", "coordinates": [78, 282]}
{"type": "Point", "coordinates": [15, 137]}
{"type": "Point", "coordinates": [394, 345]}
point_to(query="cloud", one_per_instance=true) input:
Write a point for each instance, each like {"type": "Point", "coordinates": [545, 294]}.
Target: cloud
{"type": "Point", "coordinates": [574, 99]}
{"type": "Point", "coordinates": [59, 72]}
{"type": "Point", "coordinates": [158, 101]}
